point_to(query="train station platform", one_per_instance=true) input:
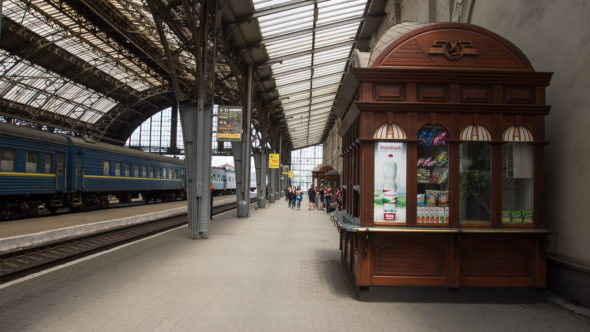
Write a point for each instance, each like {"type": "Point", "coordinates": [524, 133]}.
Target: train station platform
{"type": "Point", "coordinates": [23, 233]}
{"type": "Point", "coordinates": [278, 270]}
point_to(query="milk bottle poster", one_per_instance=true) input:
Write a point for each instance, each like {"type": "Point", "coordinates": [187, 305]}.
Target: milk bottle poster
{"type": "Point", "coordinates": [390, 182]}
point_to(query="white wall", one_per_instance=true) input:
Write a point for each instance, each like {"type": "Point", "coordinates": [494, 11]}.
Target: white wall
{"type": "Point", "coordinates": [556, 38]}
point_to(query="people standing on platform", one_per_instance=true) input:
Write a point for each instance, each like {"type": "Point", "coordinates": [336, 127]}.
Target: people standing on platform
{"type": "Point", "coordinates": [299, 197]}
{"type": "Point", "coordinates": [328, 198]}
{"type": "Point", "coordinates": [288, 195]}
{"type": "Point", "coordinates": [322, 196]}
{"type": "Point", "coordinates": [293, 197]}
{"type": "Point", "coordinates": [311, 194]}
{"type": "Point", "coordinates": [339, 198]}
{"type": "Point", "coordinates": [317, 198]}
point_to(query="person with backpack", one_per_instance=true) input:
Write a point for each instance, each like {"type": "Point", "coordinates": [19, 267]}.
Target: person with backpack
{"type": "Point", "coordinates": [299, 197]}
{"type": "Point", "coordinates": [311, 193]}
{"type": "Point", "coordinates": [288, 195]}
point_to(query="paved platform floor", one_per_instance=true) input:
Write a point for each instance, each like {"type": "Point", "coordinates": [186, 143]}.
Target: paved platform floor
{"type": "Point", "coordinates": [276, 271]}
{"type": "Point", "coordinates": [34, 225]}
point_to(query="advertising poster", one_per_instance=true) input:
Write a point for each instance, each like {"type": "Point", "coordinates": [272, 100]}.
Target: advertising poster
{"type": "Point", "coordinates": [229, 123]}
{"type": "Point", "coordinates": [390, 182]}
{"type": "Point", "coordinates": [273, 160]}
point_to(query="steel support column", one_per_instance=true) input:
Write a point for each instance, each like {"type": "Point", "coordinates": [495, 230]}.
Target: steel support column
{"type": "Point", "coordinates": [260, 158]}
{"type": "Point", "coordinates": [196, 129]}
{"type": "Point", "coordinates": [242, 151]}
{"type": "Point", "coordinates": [272, 185]}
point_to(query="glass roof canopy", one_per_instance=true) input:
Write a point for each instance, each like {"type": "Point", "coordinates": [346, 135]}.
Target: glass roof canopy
{"type": "Point", "coordinates": [27, 83]}
{"type": "Point", "coordinates": [308, 48]}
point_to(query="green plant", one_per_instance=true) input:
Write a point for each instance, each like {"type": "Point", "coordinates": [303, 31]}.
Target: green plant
{"type": "Point", "coordinates": [472, 185]}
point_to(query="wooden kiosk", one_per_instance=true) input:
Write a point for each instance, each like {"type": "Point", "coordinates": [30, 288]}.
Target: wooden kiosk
{"type": "Point", "coordinates": [443, 140]}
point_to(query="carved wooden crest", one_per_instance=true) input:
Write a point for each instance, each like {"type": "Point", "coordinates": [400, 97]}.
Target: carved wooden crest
{"type": "Point", "coordinates": [452, 49]}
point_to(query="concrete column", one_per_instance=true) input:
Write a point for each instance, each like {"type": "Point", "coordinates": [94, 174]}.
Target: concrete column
{"type": "Point", "coordinates": [277, 174]}
{"type": "Point", "coordinates": [259, 163]}
{"type": "Point", "coordinates": [241, 151]}
{"type": "Point", "coordinates": [196, 128]}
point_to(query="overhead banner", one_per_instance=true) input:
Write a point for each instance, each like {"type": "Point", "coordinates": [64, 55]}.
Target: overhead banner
{"type": "Point", "coordinates": [229, 123]}
{"type": "Point", "coordinates": [273, 160]}
{"type": "Point", "coordinates": [285, 169]}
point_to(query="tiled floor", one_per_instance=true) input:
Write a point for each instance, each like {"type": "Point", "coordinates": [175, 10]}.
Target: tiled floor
{"type": "Point", "coordinates": [278, 270]}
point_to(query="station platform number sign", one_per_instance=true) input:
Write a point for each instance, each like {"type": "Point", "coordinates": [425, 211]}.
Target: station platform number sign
{"type": "Point", "coordinates": [273, 160]}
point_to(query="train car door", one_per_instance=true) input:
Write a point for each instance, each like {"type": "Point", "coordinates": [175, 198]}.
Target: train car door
{"type": "Point", "coordinates": [60, 172]}
{"type": "Point", "coordinates": [78, 175]}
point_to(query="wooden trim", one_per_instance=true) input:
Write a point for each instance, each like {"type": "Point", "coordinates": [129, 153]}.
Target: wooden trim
{"type": "Point", "coordinates": [454, 108]}
{"type": "Point", "coordinates": [496, 282]}
{"type": "Point", "coordinates": [399, 75]}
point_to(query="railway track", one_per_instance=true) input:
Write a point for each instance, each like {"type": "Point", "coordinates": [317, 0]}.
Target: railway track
{"type": "Point", "coordinates": [21, 263]}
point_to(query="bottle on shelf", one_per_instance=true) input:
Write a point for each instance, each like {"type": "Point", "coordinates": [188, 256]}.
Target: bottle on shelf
{"type": "Point", "coordinates": [389, 189]}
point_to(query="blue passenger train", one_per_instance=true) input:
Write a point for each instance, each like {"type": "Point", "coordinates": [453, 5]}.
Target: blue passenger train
{"type": "Point", "coordinates": [223, 180]}
{"type": "Point", "coordinates": [41, 168]}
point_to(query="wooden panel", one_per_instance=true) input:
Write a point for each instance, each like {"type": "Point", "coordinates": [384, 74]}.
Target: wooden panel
{"type": "Point", "coordinates": [452, 45]}
{"type": "Point", "coordinates": [408, 281]}
{"type": "Point", "coordinates": [519, 95]}
{"type": "Point", "coordinates": [495, 256]}
{"type": "Point", "coordinates": [410, 255]}
{"type": "Point", "coordinates": [390, 92]}
{"type": "Point", "coordinates": [433, 93]}
{"type": "Point", "coordinates": [476, 94]}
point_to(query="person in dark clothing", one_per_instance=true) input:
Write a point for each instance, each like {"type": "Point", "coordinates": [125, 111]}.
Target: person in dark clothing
{"type": "Point", "coordinates": [289, 194]}
{"type": "Point", "coordinates": [311, 193]}
{"type": "Point", "coordinates": [322, 200]}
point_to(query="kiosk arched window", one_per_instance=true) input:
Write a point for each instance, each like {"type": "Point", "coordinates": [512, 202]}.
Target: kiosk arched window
{"type": "Point", "coordinates": [517, 176]}
{"type": "Point", "coordinates": [433, 176]}
{"type": "Point", "coordinates": [389, 199]}
{"type": "Point", "coordinates": [475, 176]}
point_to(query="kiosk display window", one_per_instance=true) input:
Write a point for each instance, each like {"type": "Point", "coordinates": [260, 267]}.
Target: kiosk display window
{"type": "Point", "coordinates": [390, 182]}
{"type": "Point", "coordinates": [517, 176]}
{"type": "Point", "coordinates": [475, 172]}
{"type": "Point", "coordinates": [433, 176]}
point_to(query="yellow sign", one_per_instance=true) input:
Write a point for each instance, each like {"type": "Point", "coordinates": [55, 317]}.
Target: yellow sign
{"type": "Point", "coordinates": [273, 160]}
{"type": "Point", "coordinates": [290, 174]}
{"type": "Point", "coordinates": [285, 169]}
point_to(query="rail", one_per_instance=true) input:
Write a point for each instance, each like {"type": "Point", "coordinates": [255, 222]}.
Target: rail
{"type": "Point", "coordinates": [18, 264]}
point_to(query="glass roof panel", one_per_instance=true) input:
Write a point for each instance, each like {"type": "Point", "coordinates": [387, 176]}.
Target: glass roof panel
{"type": "Point", "coordinates": [67, 33]}
{"type": "Point", "coordinates": [32, 85]}
{"type": "Point", "coordinates": [304, 77]}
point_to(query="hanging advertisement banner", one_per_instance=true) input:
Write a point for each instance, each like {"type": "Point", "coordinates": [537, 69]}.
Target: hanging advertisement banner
{"type": "Point", "coordinates": [285, 169]}
{"type": "Point", "coordinates": [390, 182]}
{"type": "Point", "coordinates": [229, 123]}
{"type": "Point", "coordinates": [273, 160]}
{"type": "Point", "coordinates": [290, 174]}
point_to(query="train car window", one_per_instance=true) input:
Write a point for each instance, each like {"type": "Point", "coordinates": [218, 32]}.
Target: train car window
{"type": "Point", "coordinates": [60, 164]}
{"type": "Point", "coordinates": [117, 169]}
{"type": "Point", "coordinates": [170, 174]}
{"type": "Point", "coordinates": [106, 167]}
{"type": "Point", "coordinates": [144, 173]}
{"type": "Point", "coordinates": [159, 174]}
{"type": "Point", "coordinates": [151, 171]}
{"type": "Point", "coordinates": [48, 162]}
{"type": "Point", "coordinates": [136, 170]}
{"type": "Point", "coordinates": [32, 162]}
{"type": "Point", "coordinates": [7, 162]}
{"type": "Point", "coordinates": [127, 169]}
{"type": "Point", "coordinates": [79, 163]}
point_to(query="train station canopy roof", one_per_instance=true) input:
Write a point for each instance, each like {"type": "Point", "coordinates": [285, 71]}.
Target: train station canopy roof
{"type": "Point", "coordinates": [101, 67]}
